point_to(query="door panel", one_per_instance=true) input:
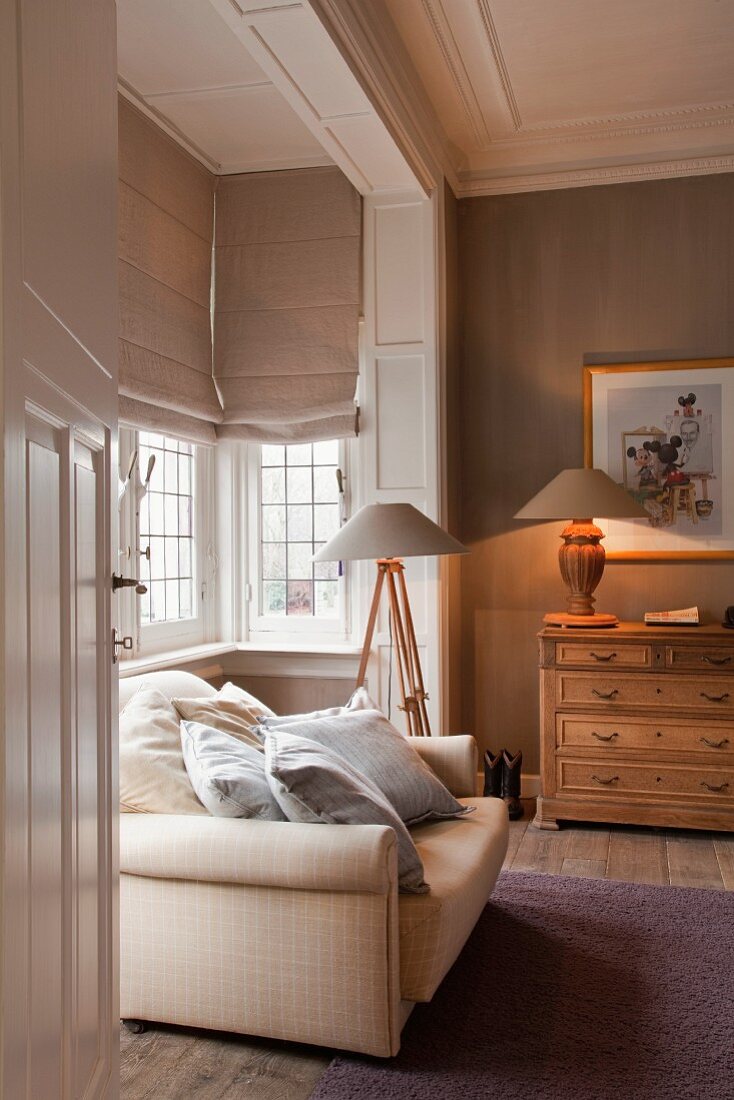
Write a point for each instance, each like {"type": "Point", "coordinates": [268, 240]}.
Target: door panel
{"type": "Point", "coordinates": [58, 412]}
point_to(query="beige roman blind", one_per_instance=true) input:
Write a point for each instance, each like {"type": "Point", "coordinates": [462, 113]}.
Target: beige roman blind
{"type": "Point", "coordinates": [166, 222]}
{"type": "Point", "coordinates": [287, 288]}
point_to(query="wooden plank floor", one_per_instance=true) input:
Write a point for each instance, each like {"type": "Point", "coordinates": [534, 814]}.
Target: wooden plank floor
{"type": "Point", "coordinates": [168, 1063]}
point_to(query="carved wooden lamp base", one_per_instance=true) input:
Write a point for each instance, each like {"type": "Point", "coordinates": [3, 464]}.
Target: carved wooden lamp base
{"type": "Point", "coordinates": [581, 559]}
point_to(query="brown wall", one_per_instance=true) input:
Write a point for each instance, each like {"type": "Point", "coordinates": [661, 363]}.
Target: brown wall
{"type": "Point", "coordinates": [548, 281]}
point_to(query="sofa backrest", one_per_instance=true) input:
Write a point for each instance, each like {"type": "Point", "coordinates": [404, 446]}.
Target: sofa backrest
{"type": "Point", "coordinates": [173, 683]}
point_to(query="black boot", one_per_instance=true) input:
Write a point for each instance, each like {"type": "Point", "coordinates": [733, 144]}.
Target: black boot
{"type": "Point", "coordinates": [492, 775]}
{"type": "Point", "coordinates": [511, 766]}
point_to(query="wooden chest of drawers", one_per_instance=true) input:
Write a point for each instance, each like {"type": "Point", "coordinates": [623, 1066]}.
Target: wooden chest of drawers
{"type": "Point", "coordinates": [637, 726]}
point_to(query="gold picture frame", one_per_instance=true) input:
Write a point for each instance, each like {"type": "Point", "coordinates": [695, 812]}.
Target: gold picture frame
{"type": "Point", "coordinates": [634, 375]}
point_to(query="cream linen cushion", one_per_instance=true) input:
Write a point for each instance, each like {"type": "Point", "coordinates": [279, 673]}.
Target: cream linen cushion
{"type": "Point", "coordinates": [153, 778]}
{"type": "Point", "coordinates": [378, 751]}
{"type": "Point", "coordinates": [227, 774]}
{"type": "Point", "coordinates": [313, 785]}
{"type": "Point", "coordinates": [231, 710]}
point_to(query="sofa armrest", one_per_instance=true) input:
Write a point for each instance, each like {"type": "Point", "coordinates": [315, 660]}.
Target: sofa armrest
{"type": "Point", "coordinates": [453, 759]}
{"type": "Point", "coordinates": [344, 858]}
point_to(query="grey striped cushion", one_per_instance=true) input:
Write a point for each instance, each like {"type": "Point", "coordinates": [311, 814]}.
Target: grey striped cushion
{"type": "Point", "coordinates": [227, 774]}
{"type": "Point", "coordinates": [313, 785]}
{"type": "Point", "coordinates": [378, 751]}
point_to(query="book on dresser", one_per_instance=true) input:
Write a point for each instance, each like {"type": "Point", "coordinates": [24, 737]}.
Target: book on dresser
{"type": "Point", "coordinates": [637, 726]}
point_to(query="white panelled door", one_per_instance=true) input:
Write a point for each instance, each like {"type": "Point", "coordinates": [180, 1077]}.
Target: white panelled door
{"type": "Point", "coordinates": [58, 317]}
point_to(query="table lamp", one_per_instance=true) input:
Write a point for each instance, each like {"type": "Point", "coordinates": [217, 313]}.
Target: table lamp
{"type": "Point", "coordinates": [389, 533]}
{"type": "Point", "coordinates": [581, 493]}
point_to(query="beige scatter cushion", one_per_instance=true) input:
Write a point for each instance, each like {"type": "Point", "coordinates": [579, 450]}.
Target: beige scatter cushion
{"type": "Point", "coordinates": [153, 777]}
{"type": "Point", "coordinates": [231, 710]}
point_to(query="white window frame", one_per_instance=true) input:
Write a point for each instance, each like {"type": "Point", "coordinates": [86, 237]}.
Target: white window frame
{"type": "Point", "coordinates": [295, 629]}
{"type": "Point", "coordinates": [154, 638]}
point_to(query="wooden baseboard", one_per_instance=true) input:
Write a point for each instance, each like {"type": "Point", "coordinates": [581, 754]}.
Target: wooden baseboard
{"type": "Point", "coordinates": [529, 785]}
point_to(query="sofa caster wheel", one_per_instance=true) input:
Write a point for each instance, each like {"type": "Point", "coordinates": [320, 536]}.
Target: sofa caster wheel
{"type": "Point", "coordinates": [137, 1027]}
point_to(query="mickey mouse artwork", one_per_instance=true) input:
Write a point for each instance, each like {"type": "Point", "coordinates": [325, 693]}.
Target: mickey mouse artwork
{"type": "Point", "coordinates": [668, 470]}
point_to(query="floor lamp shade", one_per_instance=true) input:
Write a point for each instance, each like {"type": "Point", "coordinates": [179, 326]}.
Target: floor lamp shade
{"type": "Point", "coordinates": [389, 533]}
{"type": "Point", "coordinates": [580, 495]}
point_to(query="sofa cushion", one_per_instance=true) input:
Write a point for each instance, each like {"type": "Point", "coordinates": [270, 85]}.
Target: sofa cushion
{"type": "Point", "coordinates": [375, 748]}
{"type": "Point", "coordinates": [153, 778]}
{"type": "Point", "coordinates": [313, 785]}
{"type": "Point", "coordinates": [462, 860]}
{"type": "Point", "coordinates": [227, 774]}
{"type": "Point", "coordinates": [231, 710]}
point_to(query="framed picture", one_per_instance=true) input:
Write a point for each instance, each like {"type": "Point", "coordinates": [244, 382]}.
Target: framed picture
{"type": "Point", "coordinates": [665, 433]}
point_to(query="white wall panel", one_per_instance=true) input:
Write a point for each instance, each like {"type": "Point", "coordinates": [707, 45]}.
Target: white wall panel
{"type": "Point", "coordinates": [401, 255]}
{"type": "Point", "coordinates": [401, 422]}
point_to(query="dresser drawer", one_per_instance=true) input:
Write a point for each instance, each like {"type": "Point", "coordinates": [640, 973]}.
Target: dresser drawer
{"type": "Point", "coordinates": [617, 691]}
{"type": "Point", "coordinates": [589, 732]}
{"type": "Point", "coordinates": [612, 779]}
{"type": "Point", "coordinates": [599, 655]}
{"type": "Point", "coordinates": [698, 659]}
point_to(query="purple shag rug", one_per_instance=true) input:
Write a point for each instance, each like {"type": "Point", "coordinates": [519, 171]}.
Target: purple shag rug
{"type": "Point", "coordinates": [571, 989]}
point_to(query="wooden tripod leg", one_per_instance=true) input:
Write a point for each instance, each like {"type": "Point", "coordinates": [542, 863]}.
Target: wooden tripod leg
{"type": "Point", "coordinates": [361, 675]}
{"type": "Point", "coordinates": [409, 704]}
{"type": "Point", "coordinates": [418, 689]}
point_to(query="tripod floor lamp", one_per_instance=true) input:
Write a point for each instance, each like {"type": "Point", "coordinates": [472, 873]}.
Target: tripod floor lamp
{"type": "Point", "coordinates": [388, 533]}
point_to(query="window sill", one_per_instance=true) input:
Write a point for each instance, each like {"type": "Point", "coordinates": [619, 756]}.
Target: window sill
{"type": "Point", "coordinates": [179, 658]}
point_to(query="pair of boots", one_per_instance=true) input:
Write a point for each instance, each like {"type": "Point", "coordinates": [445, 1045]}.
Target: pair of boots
{"type": "Point", "coordinates": [502, 780]}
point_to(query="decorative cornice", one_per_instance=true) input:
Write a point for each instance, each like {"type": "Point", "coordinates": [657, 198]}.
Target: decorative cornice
{"type": "Point", "coordinates": [539, 137]}
{"type": "Point", "coordinates": [632, 117]}
{"type": "Point", "coordinates": [473, 185]}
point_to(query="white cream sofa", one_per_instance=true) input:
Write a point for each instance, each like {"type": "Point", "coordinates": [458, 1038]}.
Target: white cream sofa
{"type": "Point", "coordinates": [298, 931]}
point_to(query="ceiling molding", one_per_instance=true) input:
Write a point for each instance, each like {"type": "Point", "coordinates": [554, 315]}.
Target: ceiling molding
{"type": "Point", "coordinates": [452, 59]}
{"type": "Point", "coordinates": [475, 185]}
{"type": "Point", "coordinates": [497, 56]}
{"type": "Point", "coordinates": [125, 89]}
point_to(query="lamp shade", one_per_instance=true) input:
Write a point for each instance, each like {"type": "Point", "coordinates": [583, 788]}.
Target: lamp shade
{"type": "Point", "coordinates": [581, 494]}
{"type": "Point", "coordinates": [388, 531]}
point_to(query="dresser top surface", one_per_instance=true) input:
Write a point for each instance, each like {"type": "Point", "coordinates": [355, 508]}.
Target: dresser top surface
{"type": "Point", "coordinates": [706, 632]}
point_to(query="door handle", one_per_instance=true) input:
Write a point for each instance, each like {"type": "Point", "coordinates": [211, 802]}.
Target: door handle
{"type": "Point", "coordinates": [715, 698]}
{"type": "Point", "coordinates": [605, 782]}
{"type": "Point", "coordinates": [119, 643]}
{"type": "Point", "coordinates": [604, 737]}
{"type": "Point", "coordinates": [119, 582]}
{"type": "Point", "coordinates": [605, 694]}
{"type": "Point", "coordinates": [717, 790]}
{"type": "Point", "coordinates": [714, 744]}
{"type": "Point", "coordinates": [603, 656]}
{"type": "Point", "coordinates": [716, 660]}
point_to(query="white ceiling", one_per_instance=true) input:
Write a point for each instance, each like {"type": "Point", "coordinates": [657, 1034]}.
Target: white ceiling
{"type": "Point", "coordinates": [544, 93]}
{"type": "Point", "coordinates": [181, 60]}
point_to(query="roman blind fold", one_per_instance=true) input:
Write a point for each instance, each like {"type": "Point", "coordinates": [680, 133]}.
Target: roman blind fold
{"type": "Point", "coordinates": [166, 222]}
{"type": "Point", "coordinates": [287, 290]}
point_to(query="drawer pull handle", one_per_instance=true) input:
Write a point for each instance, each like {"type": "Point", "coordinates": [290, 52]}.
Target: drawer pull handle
{"type": "Point", "coordinates": [604, 736]}
{"type": "Point", "coordinates": [715, 698]}
{"type": "Point", "coordinates": [717, 790]}
{"type": "Point", "coordinates": [716, 660]}
{"type": "Point", "coordinates": [605, 694]}
{"type": "Point", "coordinates": [605, 782]}
{"type": "Point", "coordinates": [714, 744]}
{"type": "Point", "coordinates": [604, 656]}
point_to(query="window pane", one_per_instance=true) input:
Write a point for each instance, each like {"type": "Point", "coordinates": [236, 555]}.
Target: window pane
{"type": "Point", "coordinates": [300, 525]}
{"type": "Point", "coordinates": [273, 485]}
{"type": "Point", "coordinates": [326, 453]}
{"type": "Point", "coordinates": [325, 521]}
{"type": "Point", "coordinates": [273, 524]}
{"type": "Point", "coordinates": [272, 455]}
{"type": "Point", "coordinates": [299, 485]}
{"type": "Point", "coordinates": [274, 597]}
{"type": "Point", "coordinates": [273, 560]}
{"type": "Point", "coordinates": [327, 599]}
{"type": "Point", "coordinates": [299, 499]}
{"type": "Point", "coordinates": [300, 598]}
{"type": "Point", "coordinates": [298, 454]}
{"type": "Point", "coordinates": [325, 487]}
{"type": "Point", "coordinates": [299, 561]}
{"type": "Point", "coordinates": [166, 526]}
